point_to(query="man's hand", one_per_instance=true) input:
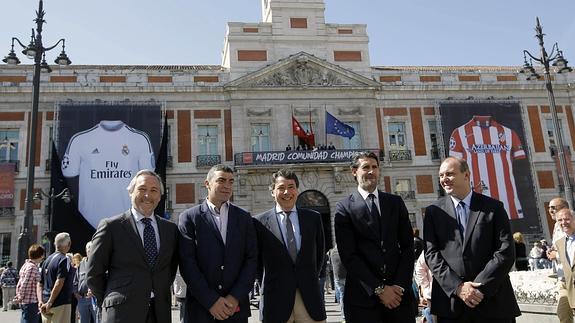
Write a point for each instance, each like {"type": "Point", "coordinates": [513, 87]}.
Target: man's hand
{"type": "Point", "coordinates": [232, 303]}
{"type": "Point", "coordinates": [45, 308]}
{"type": "Point", "coordinates": [469, 293]}
{"type": "Point", "coordinates": [391, 296]}
{"type": "Point", "coordinates": [552, 254]}
{"type": "Point", "coordinates": [220, 309]}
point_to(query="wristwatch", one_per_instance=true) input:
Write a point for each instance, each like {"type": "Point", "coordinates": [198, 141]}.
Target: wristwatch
{"type": "Point", "coordinates": [379, 290]}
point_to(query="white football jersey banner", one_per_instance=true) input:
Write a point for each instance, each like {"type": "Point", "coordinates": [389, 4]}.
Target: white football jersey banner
{"type": "Point", "coordinates": [106, 157]}
{"type": "Point", "coordinates": [490, 149]}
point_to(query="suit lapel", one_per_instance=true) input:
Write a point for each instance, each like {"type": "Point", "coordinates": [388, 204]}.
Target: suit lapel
{"type": "Point", "coordinates": [206, 216]}
{"type": "Point", "coordinates": [129, 226]}
{"type": "Point", "coordinates": [271, 223]}
{"type": "Point", "coordinates": [472, 219]}
{"type": "Point", "coordinates": [231, 230]}
{"type": "Point", "coordinates": [447, 206]}
{"type": "Point", "coordinates": [304, 227]}
{"type": "Point", "coordinates": [162, 232]}
{"type": "Point", "coordinates": [361, 211]}
{"type": "Point", "coordinates": [385, 212]}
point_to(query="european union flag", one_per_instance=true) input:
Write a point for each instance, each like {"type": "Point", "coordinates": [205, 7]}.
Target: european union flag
{"type": "Point", "coordinates": [336, 127]}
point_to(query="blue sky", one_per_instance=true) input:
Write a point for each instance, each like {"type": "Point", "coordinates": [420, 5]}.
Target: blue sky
{"type": "Point", "coordinates": [190, 32]}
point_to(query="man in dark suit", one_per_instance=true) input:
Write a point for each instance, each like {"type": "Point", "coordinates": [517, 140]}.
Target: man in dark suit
{"type": "Point", "coordinates": [134, 258]}
{"type": "Point", "coordinates": [218, 252]}
{"type": "Point", "coordinates": [375, 243]}
{"type": "Point", "coordinates": [470, 251]}
{"type": "Point", "coordinates": [291, 250]}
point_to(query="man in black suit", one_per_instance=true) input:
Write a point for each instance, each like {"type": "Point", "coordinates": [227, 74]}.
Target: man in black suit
{"type": "Point", "coordinates": [134, 258]}
{"type": "Point", "coordinates": [375, 243]}
{"type": "Point", "coordinates": [218, 252]}
{"type": "Point", "coordinates": [470, 251]}
{"type": "Point", "coordinates": [291, 247]}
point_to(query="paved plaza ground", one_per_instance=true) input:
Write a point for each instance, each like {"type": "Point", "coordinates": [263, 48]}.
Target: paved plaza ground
{"type": "Point", "coordinates": [332, 309]}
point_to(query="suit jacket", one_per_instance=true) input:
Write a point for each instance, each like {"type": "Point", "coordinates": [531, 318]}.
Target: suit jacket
{"type": "Point", "coordinates": [211, 268]}
{"type": "Point", "coordinates": [374, 251]}
{"type": "Point", "coordinates": [485, 255]}
{"type": "Point", "coordinates": [281, 276]}
{"type": "Point", "coordinates": [120, 276]}
{"type": "Point", "coordinates": [569, 271]}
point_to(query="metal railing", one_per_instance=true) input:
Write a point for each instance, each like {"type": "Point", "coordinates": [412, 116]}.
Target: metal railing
{"type": "Point", "coordinates": [208, 160]}
{"type": "Point", "coordinates": [406, 195]}
{"type": "Point", "coordinates": [7, 211]}
{"type": "Point", "coordinates": [399, 155]}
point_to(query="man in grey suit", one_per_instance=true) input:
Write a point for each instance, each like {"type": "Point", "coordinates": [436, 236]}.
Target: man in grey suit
{"type": "Point", "coordinates": [134, 258]}
{"type": "Point", "coordinates": [291, 248]}
{"type": "Point", "coordinates": [218, 252]}
{"type": "Point", "coordinates": [469, 250]}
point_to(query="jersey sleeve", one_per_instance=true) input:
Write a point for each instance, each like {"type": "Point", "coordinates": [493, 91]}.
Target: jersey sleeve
{"type": "Point", "coordinates": [72, 158]}
{"type": "Point", "coordinates": [146, 158]}
{"type": "Point", "coordinates": [456, 145]}
{"type": "Point", "coordinates": [517, 151]}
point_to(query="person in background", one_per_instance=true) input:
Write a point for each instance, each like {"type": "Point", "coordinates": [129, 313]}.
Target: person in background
{"type": "Point", "coordinates": [84, 295]}
{"type": "Point", "coordinates": [26, 294]}
{"type": "Point", "coordinates": [564, 311]}
{"type": "Point", "coordinates": [8, 280]}
{"type": "Point", "coordinates": [55, 286]}
{"type": "Point", "coordinates": [339, 274]}
{"type": "Point", "coordinates": [521, 260]}
{"type": "Point", "coordinates": [565, 247]}
{"type": "Point", "coordinates": [179, 287]}
{"type": "Point", "coordinates": [535, 256]}
{"type": "Point", "coordinates": [423, 278]}
{"type": "Point", "coordinates": [417, 243]}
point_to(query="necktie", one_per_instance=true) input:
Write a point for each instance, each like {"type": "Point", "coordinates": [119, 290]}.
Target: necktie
{"type": "Point", "coordinates": [291, 246]}
{"type": "Point", "coordinates": [461, 218]}
{"type": "Point", "coordinates": [373, 207]}
{"type": "Point", "coordinates": [150, 246]}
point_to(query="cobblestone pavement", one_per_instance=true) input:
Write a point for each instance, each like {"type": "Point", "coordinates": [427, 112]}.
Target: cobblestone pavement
{"type": "Point", "coordinates": [332, 309]}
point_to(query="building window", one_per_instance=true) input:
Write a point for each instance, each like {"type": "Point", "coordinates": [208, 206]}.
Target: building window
{"type": "Point", "coordinates": [9, 145]}
{"type": "Point", "coordinates": [433, 139]}
{"type": "Point", "coordinates": [355, 141]}
{"type": "Point", "coordinates": [5, 238]}
{"type": "Point", "coordinates": [208, 140]}
{"type": "Point", "coordinates": [397, 135]}
{"type": "Point", "coordinates": [403, 185]}
{"type": "Point", "coordinates": [298, 23]}
{"type": "Point", "coordinates": [551, 132]}
{"type": "Point", "coordinates": [260, 138]}
{"type": "Point", "coordinates": [169, 142]}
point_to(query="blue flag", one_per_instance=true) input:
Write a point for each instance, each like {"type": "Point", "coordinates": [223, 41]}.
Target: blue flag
{"type": "Point", "coordinates": [336, 127]}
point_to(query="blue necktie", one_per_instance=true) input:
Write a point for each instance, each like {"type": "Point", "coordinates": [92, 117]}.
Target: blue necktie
{"type": "Point", "coordinates": [150, 246]}
{"type": "Point", "coordinates": [461, 218]}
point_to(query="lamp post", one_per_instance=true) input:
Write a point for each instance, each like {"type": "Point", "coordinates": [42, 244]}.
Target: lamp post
{"type": "Point", "coordinates": [35, 50]}
{"type": "Point", "coordinates": [555, 58]}
{"type": "Point", "coordinates": [39, 196]}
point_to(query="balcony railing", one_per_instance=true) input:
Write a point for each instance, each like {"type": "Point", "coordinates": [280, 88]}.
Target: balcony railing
{"type": "Point", "coordinates": [208, 160]}
{"type": "Point", "coordinates": [6, 211]}
{"type": "Point", "coordinates": [300, 156]}
{"type": "Point", "coordinates": [399, 155]}
{"type": "Point", "coordinates": [15, 162]}
{"type": "Point", "coordinates": [170, 162]}
{"type": "Point", "coordinates": [406, 195]}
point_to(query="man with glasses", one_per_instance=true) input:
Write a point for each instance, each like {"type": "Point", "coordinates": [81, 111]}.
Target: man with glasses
{"type": "Point", "coordinates": [564, 311]}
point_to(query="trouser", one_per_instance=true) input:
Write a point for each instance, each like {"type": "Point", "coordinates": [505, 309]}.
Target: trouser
{"type": "Point", "coordinates": [564, 310]}
{"type": "Point", "coordinates": [299, 313]}
{"type": "Point", "coordinates": [8, 294]}
{"type": "Point", "coordinates": [86, 310]}
{"type": "Point", "coordinates": [30, 313]}
{"type": "Point", "coordinates": [339, 290]}
{"type": "Point", "coordinates": [58, 314]}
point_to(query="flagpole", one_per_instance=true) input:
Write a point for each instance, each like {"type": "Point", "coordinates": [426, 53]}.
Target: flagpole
{"type": "Point", "coordinates": [292, 136]}
{"type": "Point", "coordinates": [325, 128]}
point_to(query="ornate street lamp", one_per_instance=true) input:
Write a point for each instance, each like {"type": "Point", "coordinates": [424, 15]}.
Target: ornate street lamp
{"type": "Point", "coordinates": [557, 60]}
{"type": "Point", "coordinates": [65, 196]}
{"type": "Point", "coordinates": [35, 50]}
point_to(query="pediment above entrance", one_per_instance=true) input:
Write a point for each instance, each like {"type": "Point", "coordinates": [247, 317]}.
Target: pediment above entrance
{"type": "Point", "coordinates": [302, 70]}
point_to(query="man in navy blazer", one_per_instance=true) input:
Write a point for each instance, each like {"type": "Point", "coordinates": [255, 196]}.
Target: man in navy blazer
{"type": "Point", "coordinates": [375, 243]}
{"type": "Point", "coordinates": [291, 251]}
{"type": "Point", "coordinates": [470, 251]}
{"type": "Point", "coordinates": [218, 252]}
{"type": "Point", "coordinates": [130, 280]}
